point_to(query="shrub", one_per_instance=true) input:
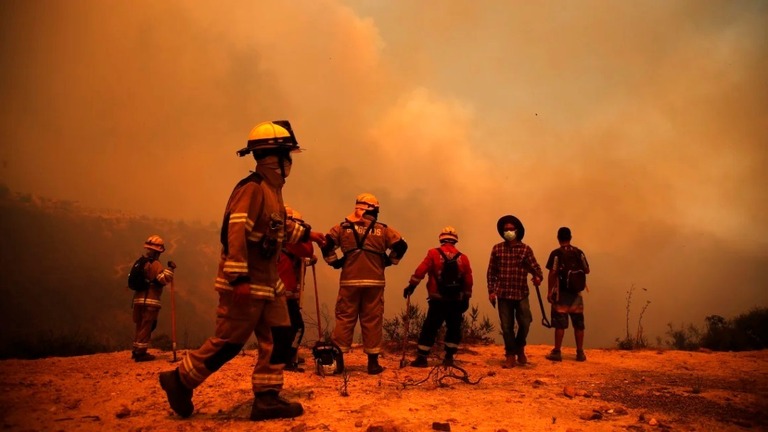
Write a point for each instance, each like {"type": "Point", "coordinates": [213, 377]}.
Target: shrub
{"type": "Point", "coordinates": [474, 328]}
{"type": "Point", "coordinates": [686, 338]}
{"type": "Point", "coordinates": [748, 331]}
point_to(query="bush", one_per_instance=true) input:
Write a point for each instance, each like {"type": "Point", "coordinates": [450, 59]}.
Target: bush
{"type": "Point", "coordinates": [686, 338]}
{"type": "Point", "coordinates": [474, 329]}
{"type": "Point", "coordinates": [748, 331]}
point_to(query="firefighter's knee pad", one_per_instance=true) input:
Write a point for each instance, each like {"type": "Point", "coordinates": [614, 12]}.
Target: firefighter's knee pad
{"type": "Point", "coordinates": [223, 355]}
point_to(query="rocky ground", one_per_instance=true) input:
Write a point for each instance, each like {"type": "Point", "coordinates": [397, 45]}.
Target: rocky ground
{"type": "Point", "coordinates": [614, 390]}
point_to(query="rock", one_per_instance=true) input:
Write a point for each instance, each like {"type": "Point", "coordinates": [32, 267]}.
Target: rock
{"type": "Point", "coordinates": [538, 383]}
{"type": "Point", "coordinates": [594, 415]}
{"type": "Point", "coordinates": [123, 412]}
{"type": "Point", "coordinates": [441, 426]}
{"type": "Point", "coordinates": [375, 428]}
{"type": "Point", "coordinates": [569, 392]}
{"type": "Point", "coordinates": [621, 411]}
{"type": "Point", "coordinates": [579, 393]}
{"type": "Point", "coordinates": [359, 423]}
{"type": "Point", "coordinates": [653, 422]}
{"type": "Point", "coordinates": [596, 395]}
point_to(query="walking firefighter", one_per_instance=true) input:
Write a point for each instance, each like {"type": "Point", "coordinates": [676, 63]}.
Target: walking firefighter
{"type": "Point", "coordinates": [147, 279]}
{"type": "Point", "coordinates": [251, 295]}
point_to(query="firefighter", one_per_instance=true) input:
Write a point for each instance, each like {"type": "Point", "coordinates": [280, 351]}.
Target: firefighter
{"type": "Point", "coordinates": [291, 265]}
{"type": "Point", "coordinates": [449, 289]}
{"type": "Point", "coordinates": [251, 295]}
{"type": "Point", "coordinates": [368, 247]}
{"type": "Point", "coordinates": [146, 302]}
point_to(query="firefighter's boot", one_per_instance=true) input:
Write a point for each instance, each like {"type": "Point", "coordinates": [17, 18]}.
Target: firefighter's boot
{"type": "Point", "coordinates": [179, 396]}
{"type": "Point", "coordinates": [420, 361]}
{"type": "Point", "coordinates": [268, 405]}
{"type": "Point", "coordinates": [374, 368]}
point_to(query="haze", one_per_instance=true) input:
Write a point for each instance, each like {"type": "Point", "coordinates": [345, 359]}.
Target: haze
{"type": "Point", "coordinates": [643, 126]}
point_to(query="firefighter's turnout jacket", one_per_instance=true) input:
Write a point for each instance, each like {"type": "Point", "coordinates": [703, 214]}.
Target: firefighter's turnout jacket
{"type": "Point", "coordinates": [363, 265]}
{"type": "Point", "coordinates": [252, 235]}
{"type": "Point", "coordinates": [158, 277]}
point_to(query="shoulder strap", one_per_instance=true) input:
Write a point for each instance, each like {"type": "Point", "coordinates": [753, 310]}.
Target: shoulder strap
{"type": "Point", "coordinates": [445, 257]}
{"type": "Point", "coordinates": [358, 240]}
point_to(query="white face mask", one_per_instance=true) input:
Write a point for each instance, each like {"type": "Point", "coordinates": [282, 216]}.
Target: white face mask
{"type": "Point", "coordinates": [510, 235]}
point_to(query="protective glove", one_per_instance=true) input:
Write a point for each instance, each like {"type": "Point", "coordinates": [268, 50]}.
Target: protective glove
{"type": "Point", "coordinates": [387, 261]}
{"type": "Point", "coordinates": [339, 263]}
{"type": "Point", "coordinates": [465, 305]}
{"type": "Point", "coordinates": [172, 265]}
{"type": "Point", "coordinates": [409, 290]}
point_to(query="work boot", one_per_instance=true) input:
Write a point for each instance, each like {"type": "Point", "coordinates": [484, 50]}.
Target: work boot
{"type": "Point", "coordinates": [143, 357]}
{"type": "Point", "coordinates": [554, 355]}
{"type": "Point", "coordinates": [448, 359]}
{"type": "Point", "coordinates": [374, 368]}
{"type": "Point", "coordinates": [509, 362]}
{"type": "Point", "coordinates": [420, 361]}
{"type": "Point", "coordinates": [580, 356]}
{"type": "Point", "coordinates": [268, 405]}
{"type": "Point", "coordinates": [521, 358]}
{"type": "Point", "coordinates": [293, 367]}
{"type": "Point", "coordinates": [179, 396]}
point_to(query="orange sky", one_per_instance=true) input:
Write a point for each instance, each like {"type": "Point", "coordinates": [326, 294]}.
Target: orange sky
{"type": "Point", "coordinates": [643, 127]}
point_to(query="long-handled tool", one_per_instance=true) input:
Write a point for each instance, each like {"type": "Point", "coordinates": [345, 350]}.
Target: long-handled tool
{"type": "Point", "coordinates": [544, 321]}
{"type": "Point", "coordinates": [406, 329]}
{"type": "Point", "coordinates": [173, 318]}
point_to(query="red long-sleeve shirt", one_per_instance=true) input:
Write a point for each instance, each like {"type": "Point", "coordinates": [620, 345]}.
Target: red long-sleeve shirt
{"type": "Point", "coordinates": [432, 265]}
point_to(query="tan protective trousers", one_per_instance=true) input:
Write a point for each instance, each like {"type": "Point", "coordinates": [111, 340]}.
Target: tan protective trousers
{"type": "Point", "coordinates": [367, 304]}
{"type": "Point", "coordinates": [145, 318]}
{"type": "Point", "coordinates": [234, 325]}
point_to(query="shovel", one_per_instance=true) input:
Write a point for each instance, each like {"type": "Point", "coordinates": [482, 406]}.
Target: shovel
{"type": "Point", "coordinates": [173, 322]}
{"type": "Point", "coordinates": [406, 325]}
{"type": "Point", "coordinates": [544, 320]}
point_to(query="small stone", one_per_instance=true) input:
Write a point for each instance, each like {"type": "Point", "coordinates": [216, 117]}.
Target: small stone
{"type": "Point", "coordinates": [441, 426]}
{"type": "Point", "coordinates": [653, 422]}
{"type": "Point", "coordinates": [359, 423]}
{"type": "Point", "coordinates": [375, 429]}
{"type": "Point", "coordinates": [579, 393]}
{"type": "Point", "coordinates": [569, 392]}
{"type": "Point", "coordinates": [123, 412]}
{"type": "Point", "coordinates": [621, 411]}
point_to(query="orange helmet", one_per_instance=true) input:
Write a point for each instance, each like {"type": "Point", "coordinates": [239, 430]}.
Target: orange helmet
{"type": "Point", "coordinates": [293, 214]}
{"type": "Point", "coordinates": [154, 242]}
{"type": "Point", "coordinates": [366, 201]}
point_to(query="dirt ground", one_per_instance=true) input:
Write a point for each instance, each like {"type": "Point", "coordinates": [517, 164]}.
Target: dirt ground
{"type": "Point", "coordinates": [614, 390]}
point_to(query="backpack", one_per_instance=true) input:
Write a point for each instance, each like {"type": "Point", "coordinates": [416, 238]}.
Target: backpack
{"type": "Point", "coordinates": [449, 281]}
{"type": "Point", "coordinates": [137, 277]}
{"type": "Point", "coordinates": [571, 271]}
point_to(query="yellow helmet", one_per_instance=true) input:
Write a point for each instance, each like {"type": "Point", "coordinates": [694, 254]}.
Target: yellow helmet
{"type": "Point", "coordinates": [154, 242]}
{"type": "Point", "coordinates": [293, 214]}
{"type": "Point", "coordinates": [271, 135]}
{"type": "Point", "coordinates": [366, 201]}
{"type": "Point", "coordinates": [449, 234]}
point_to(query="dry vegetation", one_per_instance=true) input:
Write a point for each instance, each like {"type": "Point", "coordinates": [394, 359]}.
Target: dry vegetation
{"type": "Point", "coordinates": [614, 390]}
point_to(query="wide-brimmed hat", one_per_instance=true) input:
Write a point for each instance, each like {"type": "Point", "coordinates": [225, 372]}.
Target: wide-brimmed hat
{"type": "Point", "coordinates": [515, 222]}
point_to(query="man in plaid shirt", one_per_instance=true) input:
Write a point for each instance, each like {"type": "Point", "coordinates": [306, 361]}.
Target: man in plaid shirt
{"type": "Point", "coordinates": [510, 263]}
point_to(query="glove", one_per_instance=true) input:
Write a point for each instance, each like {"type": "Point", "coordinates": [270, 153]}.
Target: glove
{"type": "Point", "coordinates": [172, 265]}
{"type": "Point", "coordinates": [464, 305]}
{"type": "Point", "coordinates": [409, 290]}
{"type": "Point", "coordinates": [387, 261]}
{"type": "Point", "coordinates": [338, 264]}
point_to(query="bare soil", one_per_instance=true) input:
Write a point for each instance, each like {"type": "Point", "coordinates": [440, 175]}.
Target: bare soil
{"type": "Point", "coordinates": [613, 390]}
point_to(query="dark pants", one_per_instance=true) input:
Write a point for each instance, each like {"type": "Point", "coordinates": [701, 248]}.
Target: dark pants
{"type": "Point", "coordinates": [448, 311]}
{"type": "Point", "coordinates": [511, 311]}
{"type": "Point", "coordinates": [297, 326]}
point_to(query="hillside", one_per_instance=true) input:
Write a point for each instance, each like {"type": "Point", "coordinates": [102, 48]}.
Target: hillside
{"type": "Point", "coordinates": [614, 390]}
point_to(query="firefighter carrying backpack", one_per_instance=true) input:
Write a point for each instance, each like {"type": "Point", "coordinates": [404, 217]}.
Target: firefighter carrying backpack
{"type": "Point", "coordinates": [137, 277]}
{"type": "Point", "coordinates": [449, 281]}
{"type": "Point", "coordinates": [571, 270]}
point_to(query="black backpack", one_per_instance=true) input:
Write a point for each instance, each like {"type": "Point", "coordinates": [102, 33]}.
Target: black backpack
{"type": "Point", "coordinates": [137, 277]}
{"type": "Point", "coordinates": [571, 270]}
{"type": "Point", "coordinates": [449, 281]}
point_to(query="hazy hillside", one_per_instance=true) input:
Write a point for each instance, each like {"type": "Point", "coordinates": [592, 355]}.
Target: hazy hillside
{"type": "Point", "coordinates": [63, 274]}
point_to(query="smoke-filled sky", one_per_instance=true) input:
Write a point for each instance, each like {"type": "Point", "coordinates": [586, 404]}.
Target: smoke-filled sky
{"type": "Point", "coordinates": [643, 126]}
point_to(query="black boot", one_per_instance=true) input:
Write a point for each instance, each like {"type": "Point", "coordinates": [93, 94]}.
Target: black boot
{"type": "Point", "coordinates": [374, 368]}
{"type": "Point", "coordinates": [179, 396]}
{"type": "Point", "coordinates": [143, 357]}
{"type": "Point", "coordinates": [268, 405]}
{"type": "Point", "coordinates": [448, 359]}
{"type": "Point", "coordinates": [420, 361]}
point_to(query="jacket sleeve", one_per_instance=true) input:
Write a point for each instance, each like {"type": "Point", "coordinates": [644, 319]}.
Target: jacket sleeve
{"type": "Point", "coordinates": [397, 247]}
{"type": "Point", "coordinates": [296, 232]}
{"type": "Point", "coordinates": [467, 272]}
{"type": "Point", "coordinates": [158, 275]}
{"type": "Point", "coordinates": [492, 275]}
{"type": "Point", "coordinates": [303, 249]}
{"type": "Point", "coordinates": [535, 268]}
{"type": "Point", "coordinates": [332, 242]}
{"type": "Point", "coordinates": [421, 271]}
{"type": "Point", "coordinates": [244, 209]}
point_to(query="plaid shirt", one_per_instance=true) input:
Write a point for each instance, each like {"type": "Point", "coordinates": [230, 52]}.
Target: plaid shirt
{"type": "Point", "coordinates": [508, 269]}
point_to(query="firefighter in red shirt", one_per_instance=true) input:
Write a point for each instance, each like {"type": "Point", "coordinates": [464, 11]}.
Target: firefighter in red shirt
{"type": "Point", "coordinates": [449, 289]}
{"type": "Point", "coordinates": [251, 295]}
{"type": "Point", "coordinates": [368, 247]}
{"type": "Point", "coordinates": [291, 265]}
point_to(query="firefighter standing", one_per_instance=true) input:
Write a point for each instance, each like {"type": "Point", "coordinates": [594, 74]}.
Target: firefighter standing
{"type": "Point", "coordinates": [291, 264]}
{"type": "Point", "coordinates": [364, 243]}
{"type": "Point", "coordinates": [146, 303]}
{"type": "Point", "coordinates": [448, 299]}
{"type": "Point", "coordinates": [251, 295]}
